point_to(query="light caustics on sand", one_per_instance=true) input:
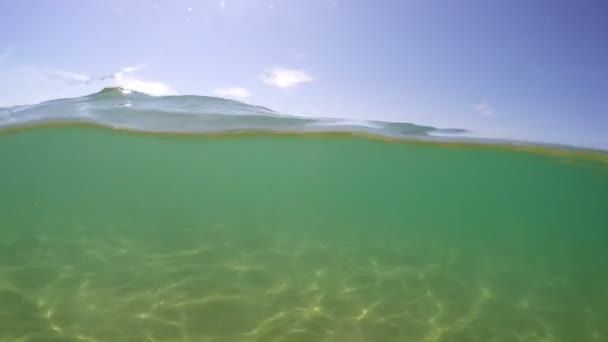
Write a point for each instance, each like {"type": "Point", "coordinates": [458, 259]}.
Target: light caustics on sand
{"type": "Point", "coordinates": [120, 288]}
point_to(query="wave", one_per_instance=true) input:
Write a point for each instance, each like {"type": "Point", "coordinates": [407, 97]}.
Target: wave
{"type": "Point", "coordinates": [130, 110]}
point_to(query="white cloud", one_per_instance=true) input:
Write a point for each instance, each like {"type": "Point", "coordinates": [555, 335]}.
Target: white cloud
{"type": "Point", "coordinates": [483, 109]}
{"type": "Point", "coordinates": [133, 68]}
{"type": "Point", "coordinates": [236, 92]}
{"type": "Point", "coordinates": [79, 78]}
{"type": "Point", "coordinates": [285, 78]}
{"type": "Point", "coordinates": [70, 77]}
{"type": "Point", "coordinates": [222, 5]}
{"type": "Point", "coordinates": [148, 87]}
{"type": "Point", "coordinates": [119, 79]}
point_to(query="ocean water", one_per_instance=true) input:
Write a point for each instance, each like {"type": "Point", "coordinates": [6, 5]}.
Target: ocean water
{"type": "Point", "coordinates": [131, 218]}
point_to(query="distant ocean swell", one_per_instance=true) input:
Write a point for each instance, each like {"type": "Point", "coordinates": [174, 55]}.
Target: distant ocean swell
{"type": "Point", "coordinates": [125, 109]}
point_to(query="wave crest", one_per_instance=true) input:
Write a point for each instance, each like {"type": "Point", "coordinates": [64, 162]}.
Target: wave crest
{"type": "Point", "coordinates": [126, 109]}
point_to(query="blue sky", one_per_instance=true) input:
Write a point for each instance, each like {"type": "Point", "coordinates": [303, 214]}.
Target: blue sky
{"type": "Point", "coordinates": [520, 69]}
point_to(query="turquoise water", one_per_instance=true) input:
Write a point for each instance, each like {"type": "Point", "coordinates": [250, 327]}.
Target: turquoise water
{"type": "Point", "coordinates": [109, 236]}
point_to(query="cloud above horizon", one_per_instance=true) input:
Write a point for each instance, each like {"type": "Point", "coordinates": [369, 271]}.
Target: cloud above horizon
{"type": "Point", "coordinates": [285, 78]}
{"type": "Point", "coordinates": [154, 88]}
{"type": "Point", "coordinates": [69, 76]}
{"type": "Point", "coordinates": [235, 92]}
{"type": "Point", "coordinates": [118, 79]}
{"type": "Point", "coordinates": [483, 108]}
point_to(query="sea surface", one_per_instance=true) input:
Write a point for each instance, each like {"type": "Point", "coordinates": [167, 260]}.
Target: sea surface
{"type": "Point", "coordinates": [125, 217]}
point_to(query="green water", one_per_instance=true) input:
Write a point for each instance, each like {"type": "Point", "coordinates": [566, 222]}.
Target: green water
{"type": "Point", "coordinates": [106, 236]}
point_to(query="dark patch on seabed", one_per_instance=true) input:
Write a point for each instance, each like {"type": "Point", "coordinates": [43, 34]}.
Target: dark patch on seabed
{"type": "Point", "coordinates": [107, 236]}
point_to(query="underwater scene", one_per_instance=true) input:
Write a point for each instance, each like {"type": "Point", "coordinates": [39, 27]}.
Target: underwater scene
{"type": "Point", "coordinates": [126, 217]}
